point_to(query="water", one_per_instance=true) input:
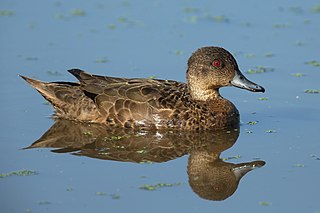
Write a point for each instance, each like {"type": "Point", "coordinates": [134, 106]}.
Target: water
{"type": "Point", "coordinates": [154, 38]}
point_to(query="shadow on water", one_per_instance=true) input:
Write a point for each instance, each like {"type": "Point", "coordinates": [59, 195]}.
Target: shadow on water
{"type": "Point", "coordinates": [209, 176]}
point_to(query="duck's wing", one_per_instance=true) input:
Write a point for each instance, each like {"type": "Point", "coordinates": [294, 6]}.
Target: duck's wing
{"type": "Point", "coordinates": [132, 102]}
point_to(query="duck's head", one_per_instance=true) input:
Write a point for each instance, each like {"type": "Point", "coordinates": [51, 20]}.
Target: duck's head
{"type": "Point", "coordinates": [210, 68]}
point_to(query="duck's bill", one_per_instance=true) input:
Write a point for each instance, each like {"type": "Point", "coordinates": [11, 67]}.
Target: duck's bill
{"type": "Point", "coordinates": [243, 168]}
{"type": "Point", "coordinates": [242, 82]}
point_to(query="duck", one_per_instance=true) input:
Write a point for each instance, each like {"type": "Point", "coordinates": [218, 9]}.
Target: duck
{"type": "Point", "coordinates": [149, 103]}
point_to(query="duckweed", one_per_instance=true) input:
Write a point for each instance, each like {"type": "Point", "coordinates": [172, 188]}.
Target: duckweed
{"type": "Point", "coordinates": [112, 26]}
{"type": "Point", "coordinates": [252, 122]}
{"type": "Point", "coordinates": [44, 202]}
{"type": "Point", "coordinates": [259, 69]}
{"type": "Point", "coordinates": [54, 73]}
{"type": "Point", "coordinates": [313, 63]}
{"type": "Point", "coordinates": [178, 52]}
{"type": "Point", "coordinates": [250, 55]}
{"type": "Point", "coordinates": [157, 186]}
{"type": "Point", "coordinates": [232, 157]}
{"type": "Point", "coordinates": [280, 26]}
{"type": "Point", "coordinates": [115, 196]}
{"type": "Point", "coordinates": [102, 60]}
{"type": "Point", "coordinates": [270, 131]}
{"type": "Point", "coordinates": [101, 193]}
{"type": "Point", "coordinates": [18, 173]}
{"type": "Point", "coordinates": [78, 12]}
{"type": "Point", "coordinates": [221, 19]}
{"type": "Point", "coordinates": [298, 74]}
{"type": "Point", "coordinates": [192, 19]}
{"type": "Point", "coordinates": [263, 98]}
{"type": "Point", "coordinates": [191, 10]}
{"type": "Point", "coordinates": [265, 203]}
{"type": "Point", "coordinates": [312, 91]}
{"type": "Point", "coordinates": [316, 8]}
{"type": "Point", "coordinates": [269, 54]}
{"type": "Point", "coordinates": [69, 189]}
{"type": "Point", "coordinates": [6, 13]}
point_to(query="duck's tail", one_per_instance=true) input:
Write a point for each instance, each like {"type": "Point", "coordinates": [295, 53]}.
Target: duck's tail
{"type": "Point", "coordinates": [44, 88]}
{"type": "Point", "coordinates": [67, 98]}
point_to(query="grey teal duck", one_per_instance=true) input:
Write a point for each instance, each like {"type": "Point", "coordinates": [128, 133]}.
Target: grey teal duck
{"type": "Point", "coordinates": [145, 103]}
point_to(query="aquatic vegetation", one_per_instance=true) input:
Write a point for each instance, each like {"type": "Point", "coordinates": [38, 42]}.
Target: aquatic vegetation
{"type": "Point", "coordinates": [102, 60]}
{"type": "Point", "coordinates": [178, 52]}
{"type": "Point", "coordinates": [78, 12]}
{"type": "Point", "coordinates": [6, 13]}
{"type": "Point", "coordinates": [112, 26]}
{"type": "Point", "coordinates": [259, 69]}
{"type": "Point", "coordinates": [248, 131]}
{"type": "Point", "coordinates": [265, 203]}
{"type": "Point", "coordinates": [299, 165]}
{"type": "Point", "coordinates": [312, 91]}
{"type": "Point", "coordinates": [19, 173]}
{"type": "Point", "coordinates": [269, 54]}
{"type": "Point", "coordinates": [298, 74]}
{"type": "Point", "coordinates": [115, 196]}
{"type": "Point", "coordinates": [122, 19]}
{"type": "Point", "coordinates": [31, 58]}
{"type": "Point", "coordinates": [191, 10]}
{"type": "Point", "coordinates": [54, 73]}
{"type": "Point", "coordinates": [316, 8]}
{"type": "Point", "coordinates": [278, 26]}
{"type": "Point", "coordinates": [232, 157]}
{"type": "Point", "coordinates": [313, 63]}
{"type": "Point", "coordinates": [69, 189]}
{"type": "Point", "coordinates": [44, 202]}
{"type": "Point", "coordinates": [157, 186]}
{"type": "Point", "coordinates": [270, 131]}
{"type": "Point", "coordinates": [252, 122]}
{"type": "Point", "coordinates": [192, 19]}
{"type": "Point", "coordinates": [220, 19]}
{"type": "Point", "coordinates": [263, 98]}
{"type": "Point", "coordinates": [101, 193]}
{"type": "Point", "coordinates": [250, 55]}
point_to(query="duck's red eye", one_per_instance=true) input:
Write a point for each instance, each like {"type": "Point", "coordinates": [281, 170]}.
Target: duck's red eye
{"type": "Point", "coordinates": [216, 63]}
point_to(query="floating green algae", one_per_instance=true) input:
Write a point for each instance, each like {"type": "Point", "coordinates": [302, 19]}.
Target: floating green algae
{"type": "Point", "coordinates": [252, 122]}
{"type": "Point", "coordinates": [78, 12]}
{"type": "Point", "coordinates": [312, 91]}
{"type": "Point", "coordinates": [259, 69]}
{"type": "Point", "coordinates": [232, 157]}
{"type": "Point", "coordinates": [314, 63]}
{"type": "Point", "coordinates": [316, 8]}
{"type": "Point", "coordinates": [19, 173]}
{"type": "Point", "coordinates": [269, 54]}
{"type": "Point", "coordinates": [101, 193]}
{"type": "Point", "coordinates": [6, 13]}
{"type": "Point", "coordinates": [54, 73]}
{"type": "Point", "coordinates": [102, 60]}
{"type": "Point", "coordinates": [298, 74]}
{"type": "Point", "coordinates": [265, 203]}
{"type": "Point", "coordinates": [270, 131]}
{"type": "Point", "coordinates": [149, 187]}
{"type": "Point", "coordinates": [263, 98]}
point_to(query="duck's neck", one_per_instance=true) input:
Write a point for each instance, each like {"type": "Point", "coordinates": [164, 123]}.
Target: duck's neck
{"type": "Point", "coordinates": [203, 94]}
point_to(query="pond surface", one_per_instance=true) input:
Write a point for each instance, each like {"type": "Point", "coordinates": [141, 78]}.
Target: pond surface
{"type": "Point", "coordinates": [276, 45]}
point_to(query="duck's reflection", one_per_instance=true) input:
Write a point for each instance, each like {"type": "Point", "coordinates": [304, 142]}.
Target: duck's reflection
{"type": "Point", "coordinates": [209, 176]}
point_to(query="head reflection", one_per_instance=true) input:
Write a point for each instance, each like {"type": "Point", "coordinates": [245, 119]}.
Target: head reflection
{"type": "Point", "coordinates": [209, 176]}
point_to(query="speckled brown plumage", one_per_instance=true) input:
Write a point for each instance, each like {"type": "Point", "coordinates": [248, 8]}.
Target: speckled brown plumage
{"type": "Point", "coordinates": [153, 103]}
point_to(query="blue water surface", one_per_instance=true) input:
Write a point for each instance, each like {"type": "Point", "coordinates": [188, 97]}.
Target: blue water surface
{"type": "Point", "coordinates": [43, 39]}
